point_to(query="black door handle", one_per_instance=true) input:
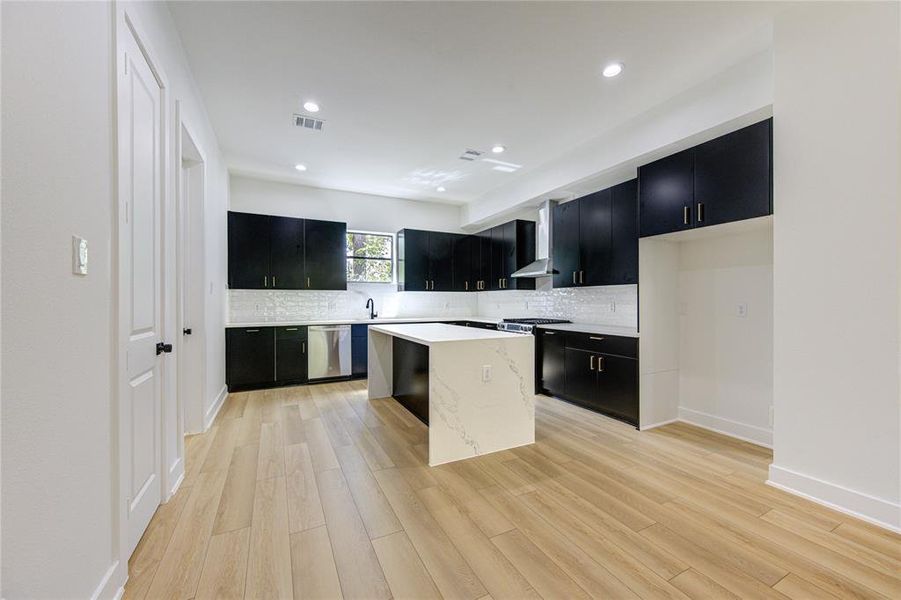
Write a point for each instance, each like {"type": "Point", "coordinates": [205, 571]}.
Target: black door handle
{"type": "Point", "coordinates": [161, 347]}
{"type": "Point", "coordinates": [186, 331]}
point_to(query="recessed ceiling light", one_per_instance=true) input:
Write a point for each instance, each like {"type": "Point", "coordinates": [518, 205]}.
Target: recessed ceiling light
{"type": "Point", "coordinates": [300, 167]}
{"type": "Point", "coordinates": [613, 69]}
{"type": "Point", "coordinates": [440, 188]}
{"type": "Point", "coordinates": [311, 106]}
{"type": "Point", "coordinates": [497, 149]}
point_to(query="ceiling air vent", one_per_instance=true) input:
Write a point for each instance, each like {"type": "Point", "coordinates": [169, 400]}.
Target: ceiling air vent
{"type": "Point", "coordinates": [471, 154]}
{"type": "Point", "coordinates": [308, 122]}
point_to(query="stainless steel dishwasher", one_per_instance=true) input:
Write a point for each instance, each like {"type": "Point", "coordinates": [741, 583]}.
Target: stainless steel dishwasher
{"type": "Point", "coordinates": [329, 354]}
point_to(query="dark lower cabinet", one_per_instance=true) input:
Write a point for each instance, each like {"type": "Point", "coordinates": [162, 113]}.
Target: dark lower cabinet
{"type": "Point", "coordinates": [410, 373]}
{"type": "Point", "coordinates": [290, 355]}
{"type": "Point", "coordinates": [550, 364]}
{"type": "Point", "coordinates": [250, 356]}
{"type": "Point", "coordinates": [585, 369]}
{"type": "Point", "coordinates": [259, 357]}
{"type": "Point", "coordinates": [359, 350]}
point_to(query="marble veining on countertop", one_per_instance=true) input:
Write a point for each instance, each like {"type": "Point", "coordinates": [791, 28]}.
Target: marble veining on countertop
{"type": "Point", "coordinates": [434, 333]}
{"type": "Point", "coordinates": [376, 321]}
{"type": "Point", "coordinates": [593, 328]}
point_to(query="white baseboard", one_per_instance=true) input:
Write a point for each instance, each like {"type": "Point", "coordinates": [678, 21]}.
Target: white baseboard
{"type": "Point", "coordinates": [654, 425]}
{"type": "Point", "coordinates": [877, 511]}
{"type": "Point", "coordinates": [211, 414]}
{"type": "Point", "coordinates": [178, 481]}
{"type": "Point", "coordinates": [112, 586]}
{"type": "Point", "coordinates": [742, 431]}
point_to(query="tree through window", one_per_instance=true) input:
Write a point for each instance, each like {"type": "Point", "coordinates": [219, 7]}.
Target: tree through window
{"type": "Point", "coordinates": [370, 257]}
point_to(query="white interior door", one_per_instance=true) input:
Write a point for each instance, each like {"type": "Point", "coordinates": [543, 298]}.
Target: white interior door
{"type": "Point", "coordinates": [140, 258]}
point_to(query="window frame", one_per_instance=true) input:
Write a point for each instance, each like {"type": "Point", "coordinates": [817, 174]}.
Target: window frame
{"type": "Point", "coordinates": [393, 258]}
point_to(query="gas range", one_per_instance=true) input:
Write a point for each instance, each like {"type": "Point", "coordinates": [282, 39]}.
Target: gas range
{"type": "Point", "coordinates": [526, 326]}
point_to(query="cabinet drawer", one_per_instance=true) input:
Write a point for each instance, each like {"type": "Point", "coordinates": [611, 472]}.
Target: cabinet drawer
{"type": "Point", "coordinates": [604, 344]}
{"type": "Point", "coordinates": [291, 333]}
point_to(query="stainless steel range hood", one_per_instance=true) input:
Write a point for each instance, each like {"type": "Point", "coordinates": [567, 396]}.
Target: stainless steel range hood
{"type": "Point", "coordinates": [543, 266]}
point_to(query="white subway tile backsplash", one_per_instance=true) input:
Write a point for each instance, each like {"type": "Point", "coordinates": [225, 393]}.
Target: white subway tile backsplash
{"type": "Point", "coordinates": [611, 305]}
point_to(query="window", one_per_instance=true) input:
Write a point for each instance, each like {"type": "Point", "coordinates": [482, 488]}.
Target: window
{"type": "Point", "coordinates": [370, 257]}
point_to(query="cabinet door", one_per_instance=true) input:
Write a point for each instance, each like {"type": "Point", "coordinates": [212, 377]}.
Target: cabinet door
{"type": "Point", "coordinates": [624, 249]}
{"type": "Point", "coordinates": [666, 194]}
{"type": "Point", "coordinates": [498, 253]}
{"type": "Point", "coordinates": [551, 373]}
{"type": "Point", "coordinates": [290, 354]}
{"type": "Point", "coordinates": [325, 255]}
{"type": "Point", "coordinates": [441, 252]}
{"type": "Point", "coordinates": [580, 378]}
{"type": "Point", "coordinates": [463, 263]}
{"type": "Point", "coordinates": [249, 356]}
{"type": "Point", "coordinates": [524, 254]}
{"type": "Point", "coordinates": [566, 244]}
{"type": "Point", "coordinates": [286, 253]}
{"type": "Point", "coordinates": [484, 238]}
{"type": "Point", "coordinates": [508, 253]}
{"type": "Point", "coordinates": [733, 176]}
{"type": "Point", "coordinates": [413, 260]}
{"type": "Point", "coordinates": [617, 391]}
{"type": "Point", "coordinates": [595, 238]}
{"type": "Point", "coordinates": [359, 350]}
{"type": "Point", "coordinates": [248, 251]}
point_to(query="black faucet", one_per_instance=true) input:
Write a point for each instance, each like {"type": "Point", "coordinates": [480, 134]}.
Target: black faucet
{"type": "Point", "coordinates": [370, 304]}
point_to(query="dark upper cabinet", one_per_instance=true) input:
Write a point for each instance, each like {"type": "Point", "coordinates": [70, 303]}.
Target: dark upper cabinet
{"type": "Point", "coordinates": [290, 354]}
{"type": "Point", "coordinates": [729, 178]}
{"type": "Point", "coordinates": [267, 252]}
{"type": "Point", "coordinates": [595, 238]}
{"type": "Point", "coordinates": [624, 247]}
{"type": "Point", "coordinates": [566, 244]}
{"type": "Point", "coordinates": [497, 254]}
{"type": "Point", "coordinates": [733, 176]}
{"type": "Point", "coordinates": [325, 255]}
{"type": "Point", "coordinates": [519, 237]}
{"type": "Point", "coordinates": [463, 262]}
{"type": "Point", "coordinates": [550, 362]}
{"type": "Point", "coordinates": [484, 265]}
{"type": "Point", "coordinates": [286, 253]}
{"type": "Point", "coordinates": [250, 356]}
{"type": "Point", "coordinates": [248, 251]}
{"type": "Point", "coordinates": [441, 252]}
{"type": "Point", "coordinates": [666, 194]}
{"type": "Point", "coordinates": [412, 260]}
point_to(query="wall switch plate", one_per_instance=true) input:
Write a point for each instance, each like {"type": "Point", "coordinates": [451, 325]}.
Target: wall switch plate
{"type": "Point", "coordinates": [486, 373]}
{"type": "Point", "coordinates": [79, 255]}
{"type": "Point", "coordinates": [741, 310]}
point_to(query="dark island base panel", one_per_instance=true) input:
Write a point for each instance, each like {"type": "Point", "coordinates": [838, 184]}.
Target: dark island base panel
{"type": "Point", "coordinates": [410, 374]}
{"type": "Point", "coordinates": [249, 387]}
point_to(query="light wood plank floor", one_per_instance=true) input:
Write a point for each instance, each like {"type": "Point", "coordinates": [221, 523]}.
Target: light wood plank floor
{"type": "Point", "coordinates": [316, 492]}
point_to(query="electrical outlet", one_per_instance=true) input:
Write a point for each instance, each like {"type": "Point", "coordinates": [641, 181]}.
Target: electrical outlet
{"type": "Point", "coordinates": [613, 306]}
{"type": "Point", "coordinates": [486, 373]}
{"type": "Point", "coordinates": [741, 311]}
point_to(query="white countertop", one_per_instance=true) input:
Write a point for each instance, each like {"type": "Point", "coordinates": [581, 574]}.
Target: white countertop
{"type": "Point", "coordinates": [598, 329]}
{"type": "Point", "coordinates": [435, 333]}
{"type": "Point", "coordinates": [377, 321]}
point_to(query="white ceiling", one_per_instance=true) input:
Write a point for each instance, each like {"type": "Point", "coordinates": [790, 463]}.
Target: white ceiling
{"type": "Point", "coordinates": [406, 87]}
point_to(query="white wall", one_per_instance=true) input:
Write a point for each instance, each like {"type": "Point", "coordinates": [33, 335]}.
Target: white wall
{"type": "Point", "coordinates": [836, 236]}
{"type": "Point", "coordinates": [726, 360]}
{"type": "Point", "coordinates": [59, 475]}
{"type": "Point", "coordinates": [57, 327]}
{"type": "Point", "coordinates": [360, 211]}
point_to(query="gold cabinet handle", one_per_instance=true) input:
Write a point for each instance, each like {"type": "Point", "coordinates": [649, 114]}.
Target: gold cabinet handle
{"type": "Point", "coordinates": [685, 210]}
{"type": "Point", "coordinates": [581, 277]}
{"type": "Point", "coordinates": [574, 278]}
{"type": "Point", "coordinates": [290, 328]}
{"type": "Point", "coordinates": [308, 282]}
{"type": "Point", "coordinates": [265, 281]}
{"type": "Point", "coordinates": [591, 337]}
{"type": "Point", "coordinates": [591, 362]}
{"type": "Point", "coordinates": [549, 333]}
{"type": "Point", "coordinates": [273, 281]}
{"type": "Point", "coordinates": [700, 212]}
{"type": "Point", "coordinates": [600, 364]}
{"type": "Point", "coordinates": [303, 347]}
{"type": "Point", "coordinates": [251, 330]}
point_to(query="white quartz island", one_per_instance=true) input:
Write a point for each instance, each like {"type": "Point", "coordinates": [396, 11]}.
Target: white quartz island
{"type": "Point", "coordinates": [475, 388]}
